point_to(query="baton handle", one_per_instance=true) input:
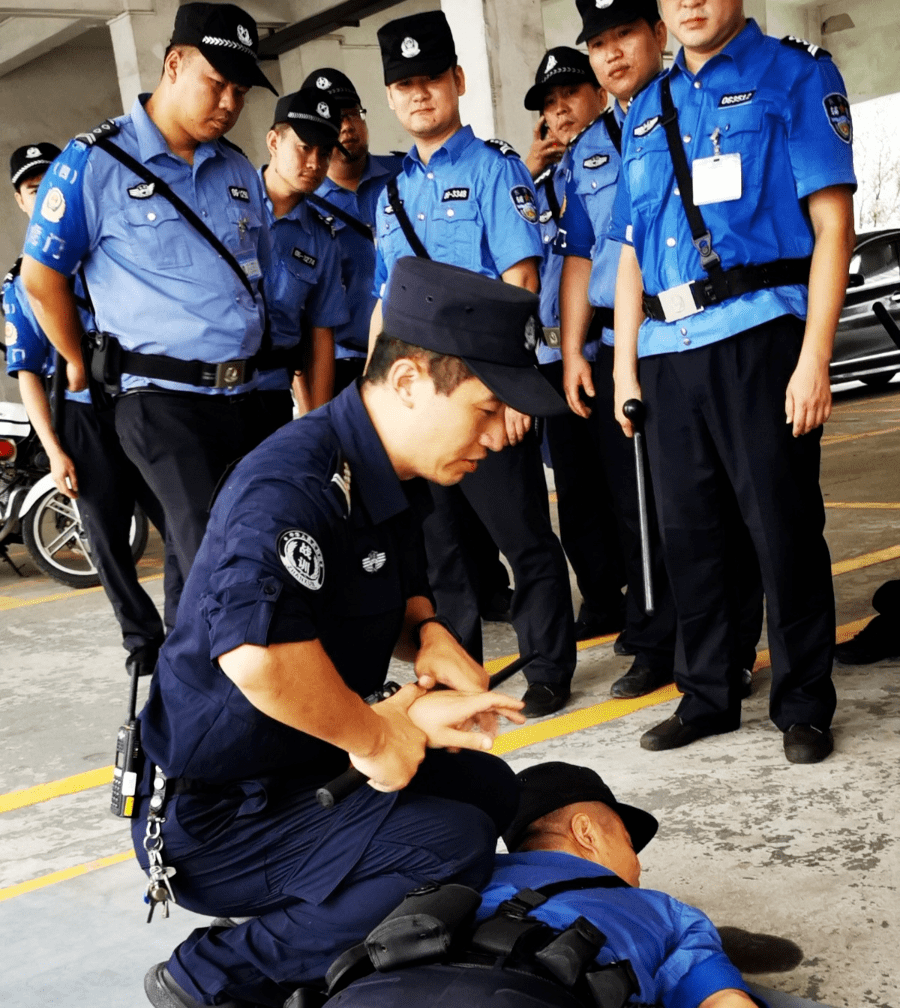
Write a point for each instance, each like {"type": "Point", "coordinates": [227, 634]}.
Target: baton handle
{"type": "Point", "coordinates": [351, 779]}
{"type": "Point", "coordinates": [636, 412]}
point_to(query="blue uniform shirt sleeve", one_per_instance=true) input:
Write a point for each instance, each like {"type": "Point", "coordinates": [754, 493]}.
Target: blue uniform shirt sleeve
{"type": "Point", "coordinates": [509, 208]}
{"type": "Point", "coordinates": [26, 347]}
{"type": "Point", "coordinates": [620, 221]}
{"type": "Point", "coordinates": [58, 235]}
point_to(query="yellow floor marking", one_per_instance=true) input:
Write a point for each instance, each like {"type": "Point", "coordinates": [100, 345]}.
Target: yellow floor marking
{"type": "Point", "coordinates": [831, 439]}
{"type": "Point", "coordinates": [564, 724]}
{"type": "Point", "coordinates": [63, 876]}
{"type": "Point", "coordinates": [10, 602]}
{"type": "Point", "coordinates": [44, 792]}
{"type": "Point", "coordinates": [865, 560]}
{"type": "Point", "coordinates": [881, 505]}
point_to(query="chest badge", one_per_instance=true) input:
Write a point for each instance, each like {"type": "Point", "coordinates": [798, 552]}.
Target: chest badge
{"type": "Point", "coordinates": [646, 126]}
{"type": "Point", "coordinates": [304, 257]}
{"type": "Point", "coordinates": [302, 558]}
{"type": "Point", "coordinates": [242, 226]}
{"type": "Point", "coordinates": [374, 561]}
{"type": "Point", "coordinates": [143, 191]}
{"type": "Point", "coordinates": [597, 161]}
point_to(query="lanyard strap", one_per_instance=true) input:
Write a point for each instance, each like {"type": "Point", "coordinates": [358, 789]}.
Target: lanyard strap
{"type": "Point", "coordinates": [700, 235]}
{"type": "Point", "coordinates": [415, 242]}
{"type": "Point", "coordinates": [342, 215]}
{"type": "Point", "coordinates": [613, 129]}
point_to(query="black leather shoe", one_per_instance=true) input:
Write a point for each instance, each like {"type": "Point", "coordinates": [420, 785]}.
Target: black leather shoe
{"type": "Point", "coordinates": [542, 699]}
{"type": "Point", "coordinates": [759, 953]}
{"type": "Point", "coordinates": [870, 645]}
{"type": "Point", "coordinates": [495, 609]}
{"type": "Point", "coordinates": [805, 744]}
{"type": "Point", "coordinates": [622, 647]}
{"type": "Point", "coordinates": [640, 680]}
{"type": "Point", "coordinates": [746, 683]}
{"type": "Point", "coordinates": [163, 992]}
{"type": "Point", "coordinates": [673, 733]}
{"type": "Point", "coordinates": [589, 625]}
{"type": "Point", "coordinates": [143, 660]}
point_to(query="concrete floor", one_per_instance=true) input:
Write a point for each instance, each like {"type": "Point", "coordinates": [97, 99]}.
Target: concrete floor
{"type": "Point", "coordinates": [809, 852]}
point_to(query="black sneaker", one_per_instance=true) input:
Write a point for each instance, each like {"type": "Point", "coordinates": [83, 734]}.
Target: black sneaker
{"type": "Point", "coordinates": [542, 699]}
{"type": "Point", "coordinates": [805, 744]}
{"type": "Point", "coordinates": [640, 680]}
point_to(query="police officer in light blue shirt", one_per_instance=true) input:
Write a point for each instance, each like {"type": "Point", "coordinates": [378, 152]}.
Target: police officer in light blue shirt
{"type": "Point", "coordinates": [569, 98]}
{"type": "Point", "coordinates": [471, 203]}
{"type": "Point", "coordinates": [305, 288]}
{"type": "Point", "coordinates": [735, 200]}
{"type": "Point", "coordinates": [348, 197]}
{"type": "Point", "coordinates": [86, 460]}
{"type": "Point", "coordinates": [184, 311]}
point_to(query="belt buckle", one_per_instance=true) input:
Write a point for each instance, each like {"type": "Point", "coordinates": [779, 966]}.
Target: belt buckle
{"type": "Point", "coordinates": [551, 336]}
{"type": "Point", "coordinates": [678, 302]}
{"type": "Point", "coordinates": [230, 374]}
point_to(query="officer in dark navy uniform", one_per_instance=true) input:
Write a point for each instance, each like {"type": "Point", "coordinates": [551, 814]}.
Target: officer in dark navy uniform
{"type": "Point", "coordinates": [348, 198]}
{"type": "Point", "coordinates": [734, 211]}
{"type": "Point", "coordinates": [86, 459]}
{"type": "Point", "coordinates": [182, 308]}
{"type": "Point", "coordinates": [471, 202]}
{"type": "Point", "coordinates": [306, 294]}
{"type": "Point", "coordinates": [310, 575]}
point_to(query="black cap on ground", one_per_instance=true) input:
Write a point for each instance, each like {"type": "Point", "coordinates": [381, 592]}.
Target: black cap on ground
{"type": "Point", "coordinates": [493, 326]}
{"type": "Point", "coordinates": [598, 15]}
{"type": "Point", "coordinates": [315, 117]}
{"type": "Point", "coordinates": [550, 786]}
{"type": "Point", "coordinates": [31, 160]}
{"type": "Point", "coordinates": [418, 45]}
{"type": "Point", "coordinates": [226, 36]}
{"type": "Point", "coordinates": [335, 85]}
{"type": "Point", "coordinates": [561, 65]}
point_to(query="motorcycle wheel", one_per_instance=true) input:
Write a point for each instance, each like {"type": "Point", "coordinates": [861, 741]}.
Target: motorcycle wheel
{"type": "Point", "coordinates": [58, 543]}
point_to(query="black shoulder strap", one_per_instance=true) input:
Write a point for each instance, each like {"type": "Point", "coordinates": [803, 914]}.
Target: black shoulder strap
{"type": "Point", "coordinates": [547, 182]}
{"type": "Point", "coordinates": [613, 128]}
{"type": "Point", "coordinates": [163, 189]}
{"type": "Point", "coordinates": [702, 240]}
{"type": "Point", "coordinates": [414, 240]}
{"type": "Point", "coordinates": [589, 882]}
{"type": "Point", "coordinates": [342, 215]}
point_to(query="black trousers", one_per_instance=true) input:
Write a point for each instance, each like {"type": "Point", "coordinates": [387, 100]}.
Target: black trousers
{"type": "Point", "coordinates": [723, 457]}
{"type": "Point", "coordinates": [347, 370]}
{"type": "Point", "coordinates": [182, 443]}
{"type": "Point", "coordinates": [584, 498]}
{"type": "Point", "coordinates": [108, 487]}
{"type": "Point", "coordinates": [273, 409]}
{"type": "Point", "coordinates": [509, 494]}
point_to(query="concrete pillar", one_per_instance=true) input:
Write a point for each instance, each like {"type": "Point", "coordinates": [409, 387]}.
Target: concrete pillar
{"type": "Point", "coordinates": [788, 19]}
{"type": "Point", "coordinates": [296, 64]}
{"type": "Point", "coordinates": [467, 20]}
{"type": "Point", "coordinates": [139, 43]}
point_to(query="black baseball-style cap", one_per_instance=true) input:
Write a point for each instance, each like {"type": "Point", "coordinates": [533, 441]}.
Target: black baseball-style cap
{"type": "Point", "coordinates": [598, 15]}
{"type": "Point", "coordinates": [550, 786]}
{"type": "Point", "coordinates": [493, 326]}
{"type": "Point", "coordinates": [561, 65]}
{"type": "Point", "coordinates": [30, 160]}
{"type": "Point", "coordinates": [226, 36]}
{"type": "Point", "coordinates": [315, 117]}
{"type": "Point", "coordinates": [418, 45]}
{"type": "Point", "coordinates": [335, 85]}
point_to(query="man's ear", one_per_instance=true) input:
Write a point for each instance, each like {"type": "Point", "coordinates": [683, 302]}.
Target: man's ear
{"type": "Point", "coordinates": [272, 142]}
{"type": "Point", "coordinates": [460, 78]}
{"type": "Point", "coordinates": [584, 832]}
{"type": "Point", "coordinates": [403, 379]}
{"type": "Point", "coordinates": [171, 65]}
{"type": "Point", "coordinates": [390, 100]}
{"type": "Point", "coordinates": [19, 200]}
{"type": "Point", "coordinates": [662, 35]}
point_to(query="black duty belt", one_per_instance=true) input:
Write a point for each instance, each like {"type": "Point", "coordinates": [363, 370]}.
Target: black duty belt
{"type": "Point", "coordinates": [690, 298]}
{"type": "Point", "coordinates": [280, 358]}
{"type": "Point", "coordinates": [225, 374]}
{"type": "Point", "coordinates": [601, 319]}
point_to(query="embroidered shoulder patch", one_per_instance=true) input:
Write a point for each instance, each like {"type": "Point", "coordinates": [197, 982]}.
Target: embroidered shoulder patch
{"type": "Point", "coordinates": [302, 558]}
{"type": "Point", "coordinates": [524, 201]}
{"type": "Point", "coordinates": [837, 108]}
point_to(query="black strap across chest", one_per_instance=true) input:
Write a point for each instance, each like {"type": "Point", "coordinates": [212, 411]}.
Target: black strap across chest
{"type": "Point", "coordinates": [341, 215]}
{"type": "Point", "coordinates": [415, 242]}
{"type": "Point", "coordinates": [613, 129]}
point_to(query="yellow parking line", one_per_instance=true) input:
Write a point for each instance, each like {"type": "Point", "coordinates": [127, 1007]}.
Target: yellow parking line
{"type": "Point", "coordinates": [865, 560]}
{"type": "Point", "coordinates": [10, 602]}
{"type": "Point", "coordinates": [879, 505]}
{"type": "Point", "coordinates": [831, 439]}
{"type": "Point", "coordinates": [63, 876]}
{"type": "Point", "coordinates": [44, 792]}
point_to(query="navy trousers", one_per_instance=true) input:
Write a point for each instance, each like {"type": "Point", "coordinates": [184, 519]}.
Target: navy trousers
{"type": "Point", "coordinates": [509, 494]}
{"type": "Point", "coordinates": [724, 461]}
{"type": "Point", "coordinates": [316, 881]}
{"type": "Point", "coordinates": [108, 488]}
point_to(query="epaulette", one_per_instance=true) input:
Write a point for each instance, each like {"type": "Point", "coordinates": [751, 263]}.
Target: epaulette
{"type": "Point", "coordinates": [233, 146]}
{"type": "Point", "coordinates": [326, 222]}
{"type": "Point", "coordinates": [545, 175]}
{"type": "Point", "coordinates": [798, 43]}
{"type": "Point", "coordinates": [13, 271]}
{"type": "Point", "coordinates": [398, 153]}
{"type": "Point", "coordinates": [108, 128]}
{"type": "Point", "coordinates": [338, 488]}
{"type": "Point", "coordinates": [507, 150]}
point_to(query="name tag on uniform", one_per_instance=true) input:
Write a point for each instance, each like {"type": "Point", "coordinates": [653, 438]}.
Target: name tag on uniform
{"type": "Point", "coordinates": [717, 179]}
{"type": "Point", "coordinates": [251, 268]}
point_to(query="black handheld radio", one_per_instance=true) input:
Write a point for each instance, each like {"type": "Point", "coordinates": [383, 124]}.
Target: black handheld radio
{"type": "Point", "coordinates": [129, 758]}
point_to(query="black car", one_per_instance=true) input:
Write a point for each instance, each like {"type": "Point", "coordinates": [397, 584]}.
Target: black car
{"type": "Point", "coordinates": [863, 351]}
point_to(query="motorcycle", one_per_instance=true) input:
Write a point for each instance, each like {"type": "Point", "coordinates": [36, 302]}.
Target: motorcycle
{"type": "Point", "coordinates": [35, 513]}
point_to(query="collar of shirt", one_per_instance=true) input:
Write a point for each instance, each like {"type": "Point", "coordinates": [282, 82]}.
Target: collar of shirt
{"type": "Point", "coordinates": [296, 213]}
{"type": "Point", "coordinates": [152, 144]}
{"type": "Point", "coordinates": [536, 868]}
{"type": "Point", "coordinates": [740, 50]}
{"type": "Point", "coordinates": [454, 148]}
{"type": "Point", "coordinates": [374, 169]}
{"type": "Point", "coordinates": [371, 471]}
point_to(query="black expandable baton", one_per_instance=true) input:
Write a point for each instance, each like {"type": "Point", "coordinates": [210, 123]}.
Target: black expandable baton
{"type": "Point", "coordinates": [58, 386]}
{"type": "Point", "coordinates": [342, 787]}
{"type": "Point", "coordinates": [884, 317]}
{"type": "Point", "coordinates": [636, 412]}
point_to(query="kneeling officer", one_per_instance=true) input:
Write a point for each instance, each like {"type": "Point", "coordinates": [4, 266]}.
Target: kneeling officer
{"type": "Point", "coordinates": [310, 576]}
